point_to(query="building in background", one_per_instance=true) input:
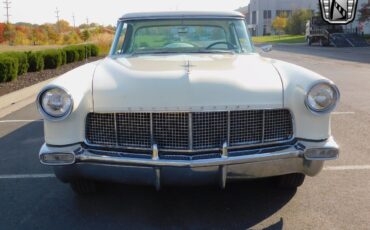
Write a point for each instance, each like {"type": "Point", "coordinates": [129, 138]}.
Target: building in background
{"type": "Point", "coordinates": [261, 13]}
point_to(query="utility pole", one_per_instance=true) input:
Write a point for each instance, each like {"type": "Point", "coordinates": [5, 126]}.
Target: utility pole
{"type": "Point", "coordinates": [87, 22]}
{"type": "Point", "coordinates": [7, 7]}
{"type": "Point", "coordinates": [74, 21]}
{"type": "Point", "coordinates": [57, 15]}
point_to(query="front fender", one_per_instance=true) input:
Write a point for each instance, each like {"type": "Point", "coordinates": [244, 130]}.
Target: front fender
{"type": "Point", "coordinates": [72, 128]}
{"type": "Point", "coordinates": [296, 83]}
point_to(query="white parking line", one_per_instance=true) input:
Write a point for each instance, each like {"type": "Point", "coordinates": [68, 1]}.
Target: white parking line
{"type": "Point", "coordinates": [19, 121]}
{"type": "Point", "coordinates": [26, 176]}
{"type": "Point", "coordinates": [343, 113]}
{"type": "Point", "coordinates": [347, 167]}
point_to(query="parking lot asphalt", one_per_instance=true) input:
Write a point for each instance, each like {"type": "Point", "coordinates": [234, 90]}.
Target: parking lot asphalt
{"type": "Point", "coordinates": [339, 198]}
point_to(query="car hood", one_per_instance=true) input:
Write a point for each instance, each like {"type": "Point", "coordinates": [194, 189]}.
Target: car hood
{"type": "Point", "coordinates": [186, 82]}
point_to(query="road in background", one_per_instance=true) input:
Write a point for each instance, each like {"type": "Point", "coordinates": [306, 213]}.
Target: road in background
{"type": "Point", "coordinates": [338, 198]}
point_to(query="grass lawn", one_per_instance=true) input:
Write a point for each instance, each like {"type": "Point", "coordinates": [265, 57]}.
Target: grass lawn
{"type": "Point", "coordinates": [282, 39]}
{"type": "Point", "coordinates": [6, 48]}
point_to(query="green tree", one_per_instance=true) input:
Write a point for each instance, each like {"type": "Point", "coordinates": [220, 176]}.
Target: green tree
{"type": "Point", "coordinates": [297, 22]}
{"type": "Point", "coordinates": [279, 24]}
{"type": "Point", "coordinates": [86, 35]}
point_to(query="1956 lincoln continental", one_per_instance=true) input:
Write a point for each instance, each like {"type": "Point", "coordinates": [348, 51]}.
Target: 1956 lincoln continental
{"type": "Point", "coordinates": [183, 98]}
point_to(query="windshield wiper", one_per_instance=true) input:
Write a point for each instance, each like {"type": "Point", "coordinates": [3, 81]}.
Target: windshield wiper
{"type": "Point", "coordinates": [216, 51]}
{"type": "Point", "coordinates": [153, 52]}
{"type": "Point", "coordinates": [205, 51]}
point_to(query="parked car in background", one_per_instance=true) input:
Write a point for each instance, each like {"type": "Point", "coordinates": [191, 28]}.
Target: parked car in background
{"type": "Point", "coordinates": [183, 98]}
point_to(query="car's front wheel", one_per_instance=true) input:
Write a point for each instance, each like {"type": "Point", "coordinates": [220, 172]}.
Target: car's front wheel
{"type": "Point", "coordinates": [83, 187]}
{"type": "Point", "coordinates": [291, 181]}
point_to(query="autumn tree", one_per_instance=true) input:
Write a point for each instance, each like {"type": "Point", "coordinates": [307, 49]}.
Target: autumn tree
{"type": "Point", "coordinates": [53, 35]}
{"type": "Point", "coordinates": [39, 36]}
{"type": "Point", "coordinates": [2, 29]}
{"type": "Point", "coordinates": [63, 26]}
{"type": "Point", "coordinates": [279, 24]}
{"type": "Point", "coordinates": [9, 34]}
{"type": "Point", "coordinates": [364, 12]}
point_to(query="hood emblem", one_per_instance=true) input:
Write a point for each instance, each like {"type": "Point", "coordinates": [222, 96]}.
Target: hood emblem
{"type": "Point", "coordinates": [187, 67]}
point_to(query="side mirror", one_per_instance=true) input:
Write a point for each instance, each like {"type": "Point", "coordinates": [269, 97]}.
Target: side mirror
{"type": "Point", "coordinates": [266, 48]}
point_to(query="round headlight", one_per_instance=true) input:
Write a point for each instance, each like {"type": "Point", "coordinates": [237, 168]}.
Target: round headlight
{"type": "Point", "coordinates": [55, 103]}
{"type": "Point", "coordinates": [322, 97]}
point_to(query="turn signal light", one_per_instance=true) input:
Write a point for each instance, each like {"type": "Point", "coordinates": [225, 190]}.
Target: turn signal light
{"type": "Point", "coordinates": [321, 154]}
{"type": "Point", "coordinates": [57, 159]}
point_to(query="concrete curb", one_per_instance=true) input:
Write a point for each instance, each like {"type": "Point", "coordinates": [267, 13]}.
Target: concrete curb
{"type": "Point", "coordinates": [14, 101]}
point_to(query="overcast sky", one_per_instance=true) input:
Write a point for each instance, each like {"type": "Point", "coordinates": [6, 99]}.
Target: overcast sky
{"type": "Point", "coordinates": [103, 11]}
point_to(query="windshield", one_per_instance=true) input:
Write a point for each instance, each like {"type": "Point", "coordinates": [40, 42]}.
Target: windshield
{"type": "Point", "coordinates": [182, 36]}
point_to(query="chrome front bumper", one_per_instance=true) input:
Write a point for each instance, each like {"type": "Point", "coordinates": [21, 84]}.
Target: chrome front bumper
{"type": "Point", "coordinates": [78, 162]}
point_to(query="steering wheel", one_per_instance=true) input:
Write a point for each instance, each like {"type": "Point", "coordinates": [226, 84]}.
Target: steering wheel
{"type": "Point", "coordinates": [229, 45]}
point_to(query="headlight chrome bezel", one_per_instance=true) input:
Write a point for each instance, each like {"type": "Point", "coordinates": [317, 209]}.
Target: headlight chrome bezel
{"type": "Point", "coordinates": [329, 109]}
{"type": "Point", "coordinates": [45, 114]}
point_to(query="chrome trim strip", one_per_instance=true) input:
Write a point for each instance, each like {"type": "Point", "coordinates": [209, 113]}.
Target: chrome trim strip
{"type": "Point", "coordinates": [87, 156]}
{"type": "Point", "coordinates": [263, 126]}
{"type": "Point", "coordinates": [195, 151]}
{"type": "Point", "coordinates": [155, 155]}
{"type": "Point", "coordinates": [175, 17]}
{"type": "Point", "coordinates": [223, 175]}
{"type": "Point", "coordinates": [228, 126]}
{"type": "Point", "coordinates": [190, 117]}
{"type": "Point", "coordinates": [225, 153]}
{"type": "Point", "coordinates": [157, 178]}
{"type": "Point", "coordinates": [151, 129]}
{"type": "Point", "coordinates": [115, 128]}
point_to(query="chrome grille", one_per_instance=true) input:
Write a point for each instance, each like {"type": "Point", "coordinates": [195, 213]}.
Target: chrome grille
{"type": "Point", "coordinates": [246, 127]}
{"type": "Point", "coordinates": [100, 129]}
{"type": "Point", "coordinates": [133, 130]}
{"type": "Point", "coordinates": [189, 131]}
{"type": "Point", "coordinates": [209, 129]}
{"type": "Point", "coordinates": [171, 130]}
{"type": "Point", "coordinates": [278, 125]}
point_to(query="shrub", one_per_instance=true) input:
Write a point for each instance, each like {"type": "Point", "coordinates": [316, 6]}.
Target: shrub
{"type": "Point", "coordinates": [52, 59]}
{"type": "Point", "coordinates": [22, 61]}
{"type": "Point", "coordinates": [35, 61]}
{"type": "Point", "coordinates": [64, 56]}
{"type": "Point", "coordinates": [88, 50]}
{"type": "Point", "coordinates": [72, 54]}
{"type": "Point", "coordinates": [94, 50]}
{"type": "Point", "coordinates": [81, 52]}
{"type": "Point", "coordinates": [8, 68]}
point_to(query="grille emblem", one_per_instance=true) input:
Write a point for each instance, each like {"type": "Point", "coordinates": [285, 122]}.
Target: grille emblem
{"type": "Point", "coordinates": [338, 11]}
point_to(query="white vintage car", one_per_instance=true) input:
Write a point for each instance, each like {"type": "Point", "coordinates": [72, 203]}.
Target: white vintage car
{"type": "Point", "coordinates": [183, 98]}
